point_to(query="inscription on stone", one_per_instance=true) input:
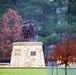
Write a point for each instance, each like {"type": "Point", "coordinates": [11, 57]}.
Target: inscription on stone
{"type": "Point", "coordinates": [33, 53]}
{"type": "Point", "coordinates": [17, 52]}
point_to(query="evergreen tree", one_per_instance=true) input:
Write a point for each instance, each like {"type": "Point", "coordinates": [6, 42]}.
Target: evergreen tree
{"type": "Point", "coordinates": [4, 5]}
{"type": "Point", "coordinates": [46, 14]}
{"type": "Point", "coordinates": [72, 12]}
{"type": "Point", "coordinates": [50, 16]}
{"type": "Point", "coordinates": [72, 16]}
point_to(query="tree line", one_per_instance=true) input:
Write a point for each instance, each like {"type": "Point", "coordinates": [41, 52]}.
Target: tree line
{"type": "Point", "coordinates": [55, 19]}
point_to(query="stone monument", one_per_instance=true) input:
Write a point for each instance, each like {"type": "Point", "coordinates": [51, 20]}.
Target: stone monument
{"type": "Point", "coordinates": [27, 53]}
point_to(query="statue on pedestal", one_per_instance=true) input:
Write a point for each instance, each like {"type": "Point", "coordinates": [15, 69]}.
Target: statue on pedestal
{"type": "Point", "coordinates": [27, 48]}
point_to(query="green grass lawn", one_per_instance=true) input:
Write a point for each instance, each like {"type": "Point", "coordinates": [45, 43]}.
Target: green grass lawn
{"type": "Point", "coordinates": [70, 71]}
{"type": "Point", "coordinates": [35, 71]}
{"type": "Point", "coordinates": [61, 71]}
{"type": "Point", "coordinates": [23, 71]}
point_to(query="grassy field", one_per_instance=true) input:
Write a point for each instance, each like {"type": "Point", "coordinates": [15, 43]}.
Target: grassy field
{"type": "Point", "coordinates": [36, 71]}
{"type": "Point", "coordinates": [70, 71]}
{"type": "Point", "coordinates": [23, 71]}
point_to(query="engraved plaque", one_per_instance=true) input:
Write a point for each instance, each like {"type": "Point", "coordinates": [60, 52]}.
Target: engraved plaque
{"type": "Point", "coordinates": [33, 53]}
{"type": "Point", "coordinates": [17, 52]}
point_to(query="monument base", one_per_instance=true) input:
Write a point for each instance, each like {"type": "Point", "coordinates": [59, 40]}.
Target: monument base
{"type": "Point", "coordinates": [27, 54]}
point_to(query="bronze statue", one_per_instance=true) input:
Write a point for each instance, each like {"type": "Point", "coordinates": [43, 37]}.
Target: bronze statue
{"type": "Point", "coordinates": [28, 30]}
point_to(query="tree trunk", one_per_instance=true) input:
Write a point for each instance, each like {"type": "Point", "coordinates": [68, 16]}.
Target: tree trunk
{"type": "Point", "coordinates": [52, 67]}
{"type": "Point", "coordinates": [65, 69]}
{"type": "Point", "coordinates": [57, 70]}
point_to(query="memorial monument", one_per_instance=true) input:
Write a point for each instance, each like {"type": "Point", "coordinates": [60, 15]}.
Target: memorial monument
{"type": "Point", "coordinates": [28, 53]}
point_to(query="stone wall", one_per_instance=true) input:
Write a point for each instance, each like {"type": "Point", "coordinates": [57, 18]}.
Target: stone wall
{"type": "Point", "coordinates": [27, 54]}
{"type": "Point", "coordinates": [4, 64]}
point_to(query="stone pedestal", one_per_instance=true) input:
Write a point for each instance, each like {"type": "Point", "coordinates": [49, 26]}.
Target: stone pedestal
{"type": "Point", "coordinates": [27, 54]}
